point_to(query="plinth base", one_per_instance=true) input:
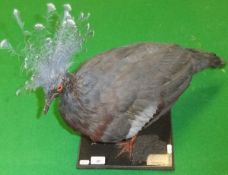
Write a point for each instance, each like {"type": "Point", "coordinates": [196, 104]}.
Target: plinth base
{"type": "Point", "coordinates": [153, 150]}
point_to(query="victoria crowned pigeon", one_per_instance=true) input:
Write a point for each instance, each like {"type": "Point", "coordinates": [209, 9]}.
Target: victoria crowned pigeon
{"type": "Point", "coordinates": [115, 94]}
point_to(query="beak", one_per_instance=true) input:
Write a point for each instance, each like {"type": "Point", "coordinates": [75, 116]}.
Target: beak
{"type": "Point", "coordinates": [48, 99]}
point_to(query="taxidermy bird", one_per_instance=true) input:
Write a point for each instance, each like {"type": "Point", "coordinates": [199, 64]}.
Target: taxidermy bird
{"type": "Point", "coordinates": [115, 94]}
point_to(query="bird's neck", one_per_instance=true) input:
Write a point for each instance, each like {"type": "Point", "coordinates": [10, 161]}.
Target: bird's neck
{"type": "Point", "coordinates": [70, 82]}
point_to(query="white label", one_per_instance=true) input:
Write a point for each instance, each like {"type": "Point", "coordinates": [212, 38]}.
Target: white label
{"type": "Point", "coordinates": [84, 162]}
{"type": "Point", "coordinates": [169, 149]}
{"type": "Point", "coordinates": [97, 160]}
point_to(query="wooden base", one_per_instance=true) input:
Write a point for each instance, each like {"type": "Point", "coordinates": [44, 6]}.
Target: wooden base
{"type": "Point", "coordinates": [153, 150]}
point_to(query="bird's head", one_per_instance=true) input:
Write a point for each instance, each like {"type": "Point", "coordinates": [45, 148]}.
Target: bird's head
{"type": "Point", "coordinates": [51, 94]}
{"type": "Point", "coordinates": [56, 90]}
{"type": "Point", "coordinates": [50, 48]}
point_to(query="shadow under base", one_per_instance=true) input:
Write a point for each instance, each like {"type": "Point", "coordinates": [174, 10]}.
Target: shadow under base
{"type": "Point", "coordinates": [152, 150]}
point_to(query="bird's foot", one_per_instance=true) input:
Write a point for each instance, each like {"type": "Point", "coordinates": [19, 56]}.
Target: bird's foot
{"type": "Point", "coordinates": [126, 147]}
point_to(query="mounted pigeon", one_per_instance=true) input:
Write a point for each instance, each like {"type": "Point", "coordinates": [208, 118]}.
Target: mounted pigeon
{"type": "Point", "coordinates": [117, 93]}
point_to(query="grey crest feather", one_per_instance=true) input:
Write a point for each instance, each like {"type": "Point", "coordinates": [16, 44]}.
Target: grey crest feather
{"type": "Point", "coordinates": [49, 53]}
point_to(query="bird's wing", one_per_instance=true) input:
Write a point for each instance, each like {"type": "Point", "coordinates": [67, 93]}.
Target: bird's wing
{"type": "Point", "coordinates": [146, 88]}
{"type": "Point", "coordinates": [134, 85]}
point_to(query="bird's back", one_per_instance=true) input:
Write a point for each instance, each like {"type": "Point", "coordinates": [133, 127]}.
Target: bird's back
{"type": "Point", "coordinates": [124, 89]}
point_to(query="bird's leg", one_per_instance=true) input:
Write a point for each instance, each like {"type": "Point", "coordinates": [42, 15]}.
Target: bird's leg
{"type": "Point", "coordinates": [126, 147]}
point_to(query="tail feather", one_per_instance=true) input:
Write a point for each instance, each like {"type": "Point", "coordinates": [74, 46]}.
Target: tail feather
{"type": "Point", "coordinates": [202, 60]}
{"type": "Point", "coordinates": [217, 62]}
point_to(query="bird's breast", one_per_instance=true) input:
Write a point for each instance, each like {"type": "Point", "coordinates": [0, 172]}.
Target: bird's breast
{"type": "Point", "coordinates": [76, 112]}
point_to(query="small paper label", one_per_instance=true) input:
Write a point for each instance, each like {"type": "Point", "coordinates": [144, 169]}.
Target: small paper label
{"type": "Point", "coordinates": [159, 160]}
{"type": "Point", "coordinates": [169, 149]}
{"type": "Point", "coordinates": [84, 162]}
{"type": "Point", "coordinates": [97, 160]}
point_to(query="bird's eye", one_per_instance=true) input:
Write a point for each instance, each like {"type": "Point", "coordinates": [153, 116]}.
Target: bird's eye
{"type": "Point", "coordinates": [60, 88]}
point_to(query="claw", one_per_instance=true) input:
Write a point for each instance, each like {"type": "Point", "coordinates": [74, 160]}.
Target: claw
{"type": "Point", "coordinates": [126, 147]}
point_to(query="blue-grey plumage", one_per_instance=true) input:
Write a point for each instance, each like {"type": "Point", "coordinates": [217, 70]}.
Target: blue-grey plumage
{"type": "Point", "coordinates": [117, 93]}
